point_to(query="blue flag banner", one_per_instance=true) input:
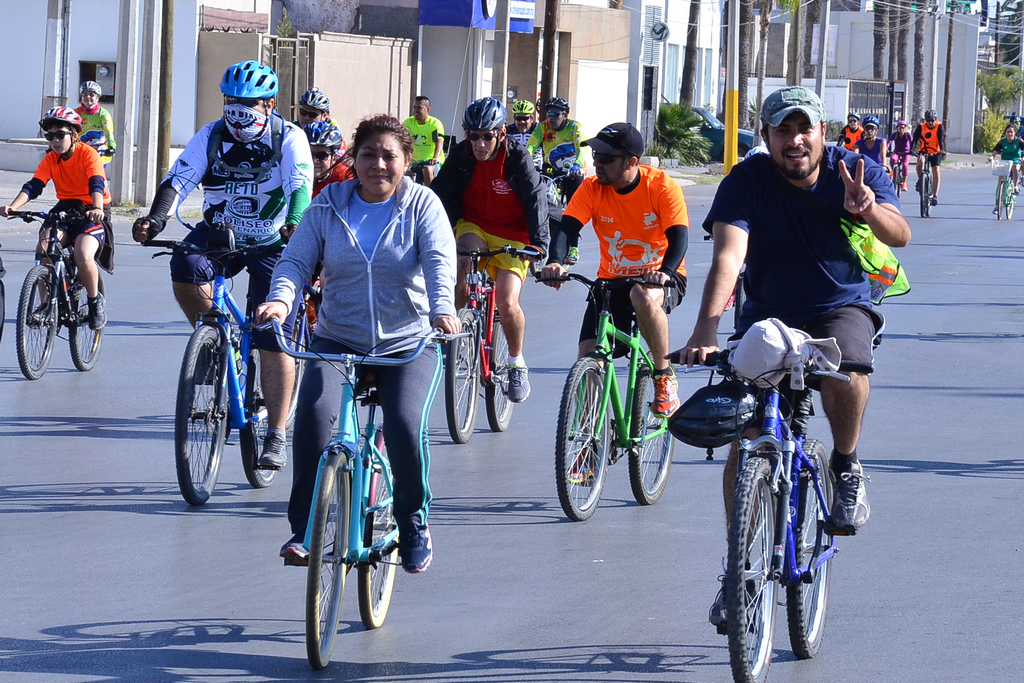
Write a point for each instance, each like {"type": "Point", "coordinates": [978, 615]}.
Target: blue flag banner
{"type": "Point", "coordinates": [476, 14]}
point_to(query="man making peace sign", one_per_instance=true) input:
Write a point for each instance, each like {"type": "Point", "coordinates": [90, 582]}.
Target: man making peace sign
{"type": "Point", "coordinates": [780, 214]}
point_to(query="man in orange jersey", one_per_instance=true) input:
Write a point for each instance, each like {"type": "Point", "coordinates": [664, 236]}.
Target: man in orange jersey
{"type": "Point", "coordinates": [640, 217]}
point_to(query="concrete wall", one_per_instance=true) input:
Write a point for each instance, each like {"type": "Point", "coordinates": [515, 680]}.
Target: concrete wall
{"type": "Point", "coordinates": [217, 51]}
{"type": "Point", "coordinates": [24, 34]}
{"type": "Point", "coordinates": [315, 16]}
{"type": "Point", "coordinates": [524, 64]}
{"type": "Point", "coordinates": [593, 108]}
{"type": "Point", "coordinates": [395, 18]}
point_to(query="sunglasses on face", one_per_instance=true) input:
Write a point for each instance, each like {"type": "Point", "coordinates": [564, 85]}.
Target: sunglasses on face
{"type": "Point", "coordinates": [244, 101]}
{"type": "Point", "coordinates": [522, 118]}
{"type": "Point", "coordinates": [486, 137]}
{"type": "Point", "coordinates": [555, 114]}
{"type": "Point", "coordinates": [607, 158]}
{"type": "Point", "coordinates": [322, 156]}
{"type": "Point", "coordinates": [309, 113]}
{"type": "Point", "coordinates": [56, 135]}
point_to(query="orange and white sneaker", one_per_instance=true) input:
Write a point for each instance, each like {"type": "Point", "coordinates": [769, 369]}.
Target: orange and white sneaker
{"type": "Point", "coordinates": [666, 395]}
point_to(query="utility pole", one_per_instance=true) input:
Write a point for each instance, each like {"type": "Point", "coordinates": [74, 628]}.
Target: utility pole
{"type": "Point", "coordinates": [732, 88]}
{"type": "Point", "coordinates": [163, 146]}
{"type": "Point", "coordinates": [499, 70]}
{"type": "Point", "coordinates": [932, 94]}
{"type": "Point", "coordinates": [125, 100]}
{"type": "Point", "coordinates": [547, 71]}
{"type": "Point", "coordinates": [149, 108]}
{"type": "Point", "coordinates": [819, 77]}
{"type": "Point", "coordinates": [949, 72]}
{"type": "Point", "coordinates": [55, 50]}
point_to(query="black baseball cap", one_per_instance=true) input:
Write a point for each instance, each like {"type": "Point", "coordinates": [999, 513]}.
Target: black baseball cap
{"type": "Point", "coordinates": [617, 137]}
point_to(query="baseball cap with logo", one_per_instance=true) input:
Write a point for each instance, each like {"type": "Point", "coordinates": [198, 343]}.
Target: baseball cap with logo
{"type": "Point", "coordinates": [617, 137]}
{"type": "Point", "coordinates": [784, 102]}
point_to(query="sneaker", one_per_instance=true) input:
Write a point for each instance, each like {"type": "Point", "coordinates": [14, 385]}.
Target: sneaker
{"type": "Point", "coordinates": [97, 313]}
{"type": "Point", "coordinates": [518, 383]}
{"type": "Point", "coordinates": [572, 258]}
{"type": "Point", "coordinates": [917, 188]}
{"type": "Point", "coordinates": [850, 507]}
{"type": "Point", "coordinates": [295, 554]}
{"type": "Point", "coordinates": [717, 614]}
{"type": "Point", "coordinates": [666, 395]}
{"type": "Point", "coordinates": [273, 456]}
{"type": "Point", "coordinates": [904, 185]}
{"type": "Point", "coordinates": [582, 471]}
{"type": "Point", "coordinates": [935, 200]}
{"type": "Point", "coordinates": [995, 211]}
{"type": "Point", "coordinates": [415, 548]}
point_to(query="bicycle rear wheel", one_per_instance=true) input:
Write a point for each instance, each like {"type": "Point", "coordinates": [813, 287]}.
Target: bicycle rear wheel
{"type": "Point", "coordinates": [250, 437]}
{"type": "Point", "coordinates": [325, 577]}
{"type": "Point", "coordinates": [1010, 199]}
{"type": "Point", "coordinates": [807, 603]}
{"type": "Point", "coordinates": [499, 408]}
{"type": "Point", "coordinates": [461, 383]}
{"type": "Point", "coordinates": [583, 441]}
{"type": "Point", "coordinates": [377, 580]}
{"type": "Point", "coordinates": [926, 192]}
{"type": "Point", "coordinates": [84, 341]}
{"type": "Point", "coordinates": [1000, 197]}
{"type": "Point", "coordinates": [651, 458]}
{"type": "Point", "coordinates": [37, 321]}
{"type": "Point", "coordinates": [750, 592]}
{"type": "Point", "coordinates": [201, 417]}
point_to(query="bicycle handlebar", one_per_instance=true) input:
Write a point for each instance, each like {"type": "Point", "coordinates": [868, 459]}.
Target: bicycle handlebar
{"type": "Point", "coordinates": [177, 246]}
{"type": "Point", "coordinates": [530, 251]}
{"type": "Point", "coordinates": [603, 284]}
{"type": "Point", "coordinates": [357, 358]}
{"type": "Point", "coordinates": [59, 217]}
{"type": "Point", "coordinates": [718, 361]}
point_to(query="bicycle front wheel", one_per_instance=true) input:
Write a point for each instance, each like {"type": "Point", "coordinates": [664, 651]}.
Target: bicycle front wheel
{"type": "Point", "coordinates": [325, 577]}
{"type": "Point", "coordinates": [250, 438]}
{"type": "Point", "coordinates": [650, 459]}
{"type": "Point", "coordinates": [37, 321]}
{"type": "Point", "coordinates": [583, 441]}
{"type": "Point", "coordinates": [461, 383]}
{"type": "Point", "coordinates": [750, 592]}
{"type": "Point", "coordinates": [1000, 197]}
{"type": "Point", "coordinates": [377, 580]}
{"type": "Point", "coordinates": [926, 193]}
{"type": "Point", "coordinates": [84, 341]}
{"type": "Point", "coordinates": [807, 603]}
{"type": "Point", "coordinates": [499, 408]}
{"type": "Point", "coordinates": [201, 417]}
{"type": "Point", "coordinates": [1010, 200]}
{"type": "Point", "coordinates": [302, 335]}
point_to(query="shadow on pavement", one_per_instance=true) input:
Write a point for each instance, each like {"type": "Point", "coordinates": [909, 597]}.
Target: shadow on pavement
{"type": "Point", "coordinates": [160, 427]}
{"type": "Point", "coordinates": [993, 469]}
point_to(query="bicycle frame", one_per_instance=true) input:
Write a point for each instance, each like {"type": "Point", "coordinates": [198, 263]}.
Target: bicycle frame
{"type": "Point", "coordinates": [233, 316]}
{"type": "Point", "coordinates": [481, 298]}
{"type": "Point", "coordinates": [786, 468]}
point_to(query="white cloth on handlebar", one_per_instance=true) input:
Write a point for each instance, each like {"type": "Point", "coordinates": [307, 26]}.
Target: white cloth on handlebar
{"type": "Point", "coordinates": [770, 349]}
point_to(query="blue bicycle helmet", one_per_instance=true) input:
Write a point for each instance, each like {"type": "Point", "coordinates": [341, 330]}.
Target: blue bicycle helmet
{"type": "Point", "coordinates": [870, 121]}
{"type": "Point", "coordinates": [324, 134]}
{"type": "Point", "coordinates": [249, 80]}
{"type": "Point", "coordinates": [487, 113]}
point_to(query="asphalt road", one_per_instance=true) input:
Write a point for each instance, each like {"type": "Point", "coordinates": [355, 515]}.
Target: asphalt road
{"type": "Point", "coordinates": [109, 576]}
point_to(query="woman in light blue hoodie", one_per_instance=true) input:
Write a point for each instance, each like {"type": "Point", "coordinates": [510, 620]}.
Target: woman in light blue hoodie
{"type": "Point", "coordinates": [389, 267]}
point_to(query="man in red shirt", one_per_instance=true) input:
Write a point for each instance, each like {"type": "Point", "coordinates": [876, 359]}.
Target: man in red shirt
{"type": "Point", "coordinates": [493, 195]}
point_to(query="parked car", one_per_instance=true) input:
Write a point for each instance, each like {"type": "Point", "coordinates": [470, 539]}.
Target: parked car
{"type": "Point", "coordinates": [714, 130]}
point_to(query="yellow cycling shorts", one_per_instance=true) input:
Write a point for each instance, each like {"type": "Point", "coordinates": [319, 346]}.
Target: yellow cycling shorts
{"type": "Point", "coordinates": [495, 263]}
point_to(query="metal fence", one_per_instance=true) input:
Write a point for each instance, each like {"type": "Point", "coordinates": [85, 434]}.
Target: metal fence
{"type": "Point", "coordinates": [290, 58]}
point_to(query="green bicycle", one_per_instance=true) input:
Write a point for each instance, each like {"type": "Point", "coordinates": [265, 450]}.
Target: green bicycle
{"type": "Point", "coordinates": [1005, 195]}
{"type": "Point", "coordinates": [597, 423]}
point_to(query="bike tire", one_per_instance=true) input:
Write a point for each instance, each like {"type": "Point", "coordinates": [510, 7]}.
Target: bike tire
{"type": "Point", "coordinates": [807, 603]}
{"type": "Point", "coordinates": [325, 576]}
{"type": "Point", "coordinates": [583, 441]}
{"type": "Point", "coordinates": [1010, 201]}
{"type": "Point", "coordinates": [461, 379]}
{"type": "Point", "coordinates": [1000, 198]}
{"type": "Point", "coordinates": [650, 460]}
{"type": "Point", "coordinates": [377, 580]}
{"type": "Point", "coordinates": [302, 335]}
{"type": "Point", "coordinates": [750, 593]}
{"type": "Point", "coordinates": [897, 180]}
{"type": "Point", "coordinates": [84, 341]}
{"type": "Point", "coordinates": [201, 416]}
{"type": "Point", "coordinates": [926, 193]}
{"type": "Point", "coordinates": [499, 407]}
{"type": "Point", "coordinates": [37, 324]}
{"type": "Point", "coordinates": [252, 435]}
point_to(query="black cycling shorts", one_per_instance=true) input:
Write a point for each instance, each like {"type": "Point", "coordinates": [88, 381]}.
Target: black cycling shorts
{"type": "Point", "coordinates": [623, 315]}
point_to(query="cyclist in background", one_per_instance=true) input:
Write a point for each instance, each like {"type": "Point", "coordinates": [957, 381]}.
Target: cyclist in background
{"type": "Point", "coordinates": [872, 146]}
{"type": "Point", "coordinates": [327, 145]}
{"type": "Point", "coordinates": [773, 213]}
{"type": "Point", "coordinates": [382, 219]}
{"type": "Point", "coordinates": [427, 138]}
{"type": "Point", "coordinates": [559, 139]}
{"type": "Point", "coordinates": [77, 174]}
{"type": "Point", "coordinates": [256, 170]}
{"type": "Point", "coordinates": [524, 122]}
{"type": "Point", "coordinates": [314, 105]}
{"type": "Point", "coordinates": [899, 150]}
{"type": "Point", "coordinates": [97, 124]}
{"type": "Point", "coordinates": [640, 217]}
{"type": "Point", "coordinates": [1009, 148]}
{"type": "Point", "coordinates": [930, 141]}
{"type": "Point", "coordinates": [851, 132]}
{"type": "Point", "coordinates": [494, 197]}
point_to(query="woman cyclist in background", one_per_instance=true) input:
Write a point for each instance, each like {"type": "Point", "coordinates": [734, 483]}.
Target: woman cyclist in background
{"type": "Point", "coordinates": [899, 150]}
{"type": "Point", "coordinates": [327, 145]}
{"type": "Point", "coordinates": [389, 265]}
{"type": "Point", "coordinates": [97, 124]}
{"type": "Point", "coordinates": [1010, 148]}
{"type": "Point", "coordinates": [870, 145]}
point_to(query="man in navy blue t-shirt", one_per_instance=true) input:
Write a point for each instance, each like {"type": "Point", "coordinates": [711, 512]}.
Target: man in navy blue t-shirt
{"type": "Point", "coordinates": [780, 214]}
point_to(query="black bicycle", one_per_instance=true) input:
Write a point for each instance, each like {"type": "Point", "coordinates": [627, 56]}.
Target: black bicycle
{"type": "Point", "coordinates": [53, 297]}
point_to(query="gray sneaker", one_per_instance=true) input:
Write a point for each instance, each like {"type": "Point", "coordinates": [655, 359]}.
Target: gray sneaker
{"type": "Point", "coordinates": [274, 456]}
{"type": "Point", "coordinates": [518, 383]}
{"type": "Point", "coordinates": [850, 507]}
{"type": "Point", "coordinates": [717, 614]}
{"type": "Point", "coordinates": [97, 312]}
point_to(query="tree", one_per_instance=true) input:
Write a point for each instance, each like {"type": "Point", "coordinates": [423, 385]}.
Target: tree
{"type": "Point", "coordinates": [746, 21]}
{"type": "Point", "coordinates": [881, 30]}
{"type": "Point", "coordinates": [918, 100]}
{"type": "Point", "coordinates": [796, 44]}
{"type": "Point", "coordinates": [902, 38]}
{"type": "Point", "coordinates": [765, 14]}
{"type": "Point", "coordinates": [1001, 89]}
{"type": "Point", "coordinates": [690, 55]}
{"type": "Point", "coordinates": [812, 17]}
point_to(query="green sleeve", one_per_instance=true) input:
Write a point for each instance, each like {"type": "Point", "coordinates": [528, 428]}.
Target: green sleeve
{"type": "Point", "coordinates": [108, 130]}
{"type": "Point", "coordinates": [297, 204]}
{"type": "Point", "coordinates": [535, 139]}
{"type": "Point", "coordinates": [577, 139]}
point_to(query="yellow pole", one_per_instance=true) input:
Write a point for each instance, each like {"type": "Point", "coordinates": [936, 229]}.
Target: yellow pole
{"type": "Point", "coordinates": [732, 88]}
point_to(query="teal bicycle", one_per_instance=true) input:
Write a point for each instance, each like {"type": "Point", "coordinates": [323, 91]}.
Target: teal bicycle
{"type": "Point", "coordinates": [351, 521]}
{"type": "Point", "coordinates": [598, 423]}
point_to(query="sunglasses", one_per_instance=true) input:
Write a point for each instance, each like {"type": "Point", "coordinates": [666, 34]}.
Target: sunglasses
{"type": "Point", "coordinates": [244, 101]}
{"type": "Point", "coordinates": [608, 158]}
{"type": "Point", "coordinates": [555, 114]}
{"type": "Point", "coordinates": [309, 113]}
{"type": "Point", "coordinates": [322, 156]}
{"type": "Point", "coordinates": [522, 118]}
{"type": "Point", "coordinates": [56, 135]}
{"type": "Point", "coordinates": [486, 137]}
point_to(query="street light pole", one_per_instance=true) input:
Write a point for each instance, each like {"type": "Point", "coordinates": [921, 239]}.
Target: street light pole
{"type": "Point", "coordinates": [125, 101]}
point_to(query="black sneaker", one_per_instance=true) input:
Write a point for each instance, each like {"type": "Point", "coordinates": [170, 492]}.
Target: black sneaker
{"type": "Point", "coordinates": [717, 614]}
{"type": "Point", "coordinates": [935, 201]}
{"type": "Point", "coordinates": [97, 313]}
{"type": "Point", "coordinates": [850, 507]}
{"type": "Point", "coordinates": [415, 548]}
{"type": "Point", "coordinates": [518, 383]}
{"type": "Point", "coordinates": [917, 188]}
{"type": "Point", "coordinates": [273, 456]}
{"type": "Point", "coordinates": [295, 554]}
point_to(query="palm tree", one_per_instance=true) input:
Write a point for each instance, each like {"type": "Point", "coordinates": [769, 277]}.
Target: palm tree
{"type": "Point", "coordinates": [746, 21]}
{"type": "Point", "coordinates": [690, 55]}
{"type": "Point", "coordinates": [765, 15]}
{"type": "Point", "coordinates": [796, 44]}
{"type": "Point", "coordinates": [902, 37]}
{"type": "Point", "coordinates": [918, 101]}
{"type": "Point", "coordinates": [881, 30]}
{"type": "Point", "coordinates": [813, 16]}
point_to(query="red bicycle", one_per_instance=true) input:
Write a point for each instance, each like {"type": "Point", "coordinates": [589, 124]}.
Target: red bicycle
{"type": "Point", "coordinates": [479, 358]}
